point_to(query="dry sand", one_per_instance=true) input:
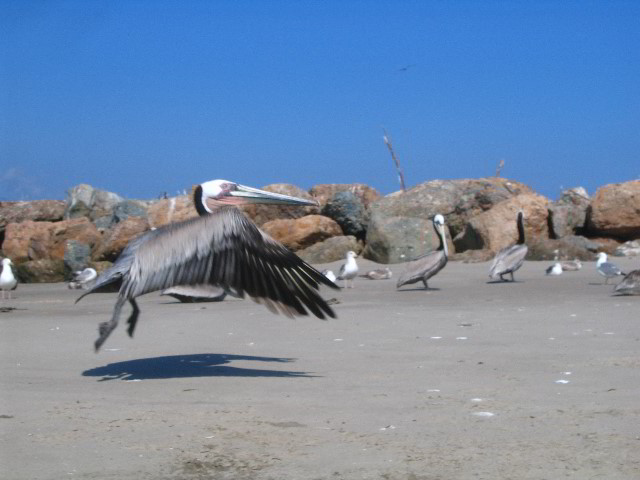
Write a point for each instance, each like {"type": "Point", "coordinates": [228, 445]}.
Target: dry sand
{"type": "Point", "coordinates": [534, 380]}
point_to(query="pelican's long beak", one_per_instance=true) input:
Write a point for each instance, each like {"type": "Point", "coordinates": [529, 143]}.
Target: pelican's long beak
{"type": "Point", "coordinates": [245, 195]}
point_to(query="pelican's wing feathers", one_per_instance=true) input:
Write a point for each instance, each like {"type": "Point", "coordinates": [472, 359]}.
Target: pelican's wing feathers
{"type": "Point", "coordinates": [423, 267]}
{"type": "Point", "coordinates": [228, 250]}
{"type": "Point", "coordinates": [508, 260]}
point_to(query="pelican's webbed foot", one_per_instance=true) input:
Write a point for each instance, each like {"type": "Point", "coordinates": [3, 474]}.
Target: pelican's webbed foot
{"type": "Point", "coordinates": [105, 328]}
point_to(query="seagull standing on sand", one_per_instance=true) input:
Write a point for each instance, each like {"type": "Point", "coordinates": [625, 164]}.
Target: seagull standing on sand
{"type": "Point", "coordinates": [630, 285]}
{"type": "Point", "coordinates": [8, 281]}
{"type": "Point", "coordinates": [221, 247]}
{"type": "Point", "coordinates": [607, 269]}
{"type": "Point", "coordinates": [510, 259]}
{"type": "Point", "coordinates": [349, 270]}
{"type": "Point", "coordinates": [426, 266]}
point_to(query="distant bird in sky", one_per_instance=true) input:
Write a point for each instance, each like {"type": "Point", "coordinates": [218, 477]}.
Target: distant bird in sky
{"type": "Point", "coordinates": [83, 278]}
{"type": "Point", "coordinates": [510, 259]}
{"type": "Point", "coordinates": [378, 274]}
{"type": "Point", "coordinates": [630, 285]}
{"type": "Point", "coordinates": [607, 269]}
{"type": "Point", "coordinates": [406, 67]}
{"type": "Point", "coordinates": [8, 281]}
{"type": "Point", "coordinates": [426, 266]}
{"type": "Point", "coordinates": [349, 270]}
{"type": "Point", "coordinates": [221, 247]}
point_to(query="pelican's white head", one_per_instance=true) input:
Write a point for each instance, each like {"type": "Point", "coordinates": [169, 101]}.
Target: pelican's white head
{"type": "Point", "coordinates": [209, 196]}
{"type": "Point", "coordinates": [438, 219]}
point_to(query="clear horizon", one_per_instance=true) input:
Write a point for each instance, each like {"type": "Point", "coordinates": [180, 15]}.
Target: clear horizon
{"type": "Point", "coordinates": [141, 98]}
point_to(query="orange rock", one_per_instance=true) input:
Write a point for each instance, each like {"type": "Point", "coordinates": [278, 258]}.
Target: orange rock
{"type": "Point", "coordinates": [615, 211]}
{"type": "Point", "coordinates": [117, 238]}
{"type": "Point", "coordinates": [302, 232]}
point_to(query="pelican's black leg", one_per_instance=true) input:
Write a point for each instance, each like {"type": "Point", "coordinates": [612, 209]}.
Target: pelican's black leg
{"type": "Point", "coordinates": [512, 279]}
{"type": "Point", "coordinates": [425, 284]}
{"type": "Point", "coordinates": [105, 328]}
{"type": "Point", "coordinates": [133, 318]}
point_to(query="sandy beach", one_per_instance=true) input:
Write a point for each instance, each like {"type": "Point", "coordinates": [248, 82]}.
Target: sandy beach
{"type": "Point", "coordinates": [538, 379]}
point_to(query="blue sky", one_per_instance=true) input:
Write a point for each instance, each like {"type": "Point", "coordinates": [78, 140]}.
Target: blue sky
{"type": "Point", "coordinates": [142, 97]}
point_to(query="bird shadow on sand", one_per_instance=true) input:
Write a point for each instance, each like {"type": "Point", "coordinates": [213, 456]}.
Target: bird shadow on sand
{"type": "Point", "coordinates": [188, 366]}
{"type": "Point", "coordinates": [507, 282]}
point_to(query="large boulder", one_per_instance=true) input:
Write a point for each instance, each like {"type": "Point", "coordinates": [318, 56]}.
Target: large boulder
{"type": "Point", "coordinates": [496, 228]}
{"type": "Point", "coordinates": [331, 249]}
{"type": "Point", "coordinates": [170, 210]}
{"type": "Point", "coordinates": [569, 247]}
{"type": "Point", "coordinates": [347, 209]}
{"type": "Point", "coordinates": [37, 210]}
{"type": "Point", "coordinates": [80, 230]}
{"type": "Point", "coordinates": [302, 232]}
{"type": "Point", "coordinates": [400, 239]}
{"type": "Point", "coordinates": [130, 208]}
{"type": "Point", "coordinates": [458, 200]}
{"type": "Point", "coordinates": [323, 192]}
{"type": "Point", "coordinates": [44, 270]}
{"type": "Point", "coordinates": [615, 211]}
{"type": "Point", "coordinates": [18, 236]}
{"type": "Point", "coordinates": [118, 237]}
{"type": "Point", "coordinates": [628, 249]}
{"type": "Point", "coordinates": [77, 256]}
{"type": "Point", "coordinates": [86, 201]}
{"type": "Point", "coordinates": [567, 215]}
{"type": "Point", "coordinates": [262, 214]}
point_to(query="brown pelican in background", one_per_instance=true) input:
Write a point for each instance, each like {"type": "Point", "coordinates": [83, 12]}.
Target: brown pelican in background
{"type": "Point", "coordinates": [630, 285]}
{"type": "Point", "coordinates": [571, 265]}
{"type": "Point", "coordinates": [8, 281]}
{"type": "Point", "coordinates": [83, 278]}
{"type": "Point", "coordinates": [510, 259]}
{"type": "Point", "coordinates": [379, 274]}
{"type": "Point", "coordinates": [349, 270]}
{"type": "Point", "coordinates": [221, 247]}
{"type": "Point", "coordinates": [426, 266]}
{"type": "Point", "coordinates": [607, 269]}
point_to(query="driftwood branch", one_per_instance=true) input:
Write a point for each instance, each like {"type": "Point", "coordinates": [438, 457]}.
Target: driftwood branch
{"type": "Point", "coordinates": [387, 142]}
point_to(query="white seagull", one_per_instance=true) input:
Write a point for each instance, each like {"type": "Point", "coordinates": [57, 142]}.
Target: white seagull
{"type": "Point", "coordinates": [607, 269]}
{"type": "Point", "coordinates": [556, 268]}
{"type": "Point", "coordinates": [221, 247]}
{"type": "Point", "coordinates": [8, 281]}
{"type": "Point", "coordinates": [330, 275]}
{"type": "Point", "coordinates": [349, 270]}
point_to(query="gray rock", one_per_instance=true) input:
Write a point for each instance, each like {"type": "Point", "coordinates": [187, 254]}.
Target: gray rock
{"type": "Point", "coordinates": [129, 208]}
{"type": "Point", "coordinates": [330, 250]}
{"type": "Point", "coordinates": [568, 214]}
{"type": "Point", "coordinates": [98, 205]}
{"type": "Point", "coordinates": [628, 249]}
{"type": "Point", "coordinates": [77, 256]}
{"type": "Point", "coordinates": [347, 209]}
{"type": "Point", "coordinates": [400, 239]}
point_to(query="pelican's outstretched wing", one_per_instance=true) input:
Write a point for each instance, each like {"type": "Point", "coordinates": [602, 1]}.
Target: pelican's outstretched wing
{"type": "Point", "coordinates": [226, 249]}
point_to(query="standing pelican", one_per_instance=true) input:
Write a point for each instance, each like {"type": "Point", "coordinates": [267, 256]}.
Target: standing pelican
{"type": "Point", "coordinates": [510, 259]}
{"type": "Point", "coordinates": [349, 270]}
{"type": "Point", "coordinates": [607, 269]}
{"type": "Point", "coordinates": [8, 281]}
{"type": "Point", "coordinates": [426, 266]}
{"type": "Point", "coordinates": [221, 247]}
{"type": "Point", "coordinates": [571, 265]}
{"type": "Point", "coordinates": [630, 285]}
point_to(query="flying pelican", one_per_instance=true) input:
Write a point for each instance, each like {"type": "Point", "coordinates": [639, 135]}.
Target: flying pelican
{"type": "Point", "coordinates": [607, 269]}
{"type": "Point", "coordinates": [221, 247]}
{"type": "Point", "coordinates": [426, 266]}
{"type": "Point", "coordinates": [630, 285]}
{"type": "Point", "coordinates": [510, 259]}
{"type": "Point", "coordinates": [378, 274]}
{"type": "Point", "coordinates": [83, 278]}
{"type": "Point", "coordinates": [349, 270]}
{"type": "Point", "coordinates": [571, 265]}
{"type": "Point", "coordinates": [8, 281]}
